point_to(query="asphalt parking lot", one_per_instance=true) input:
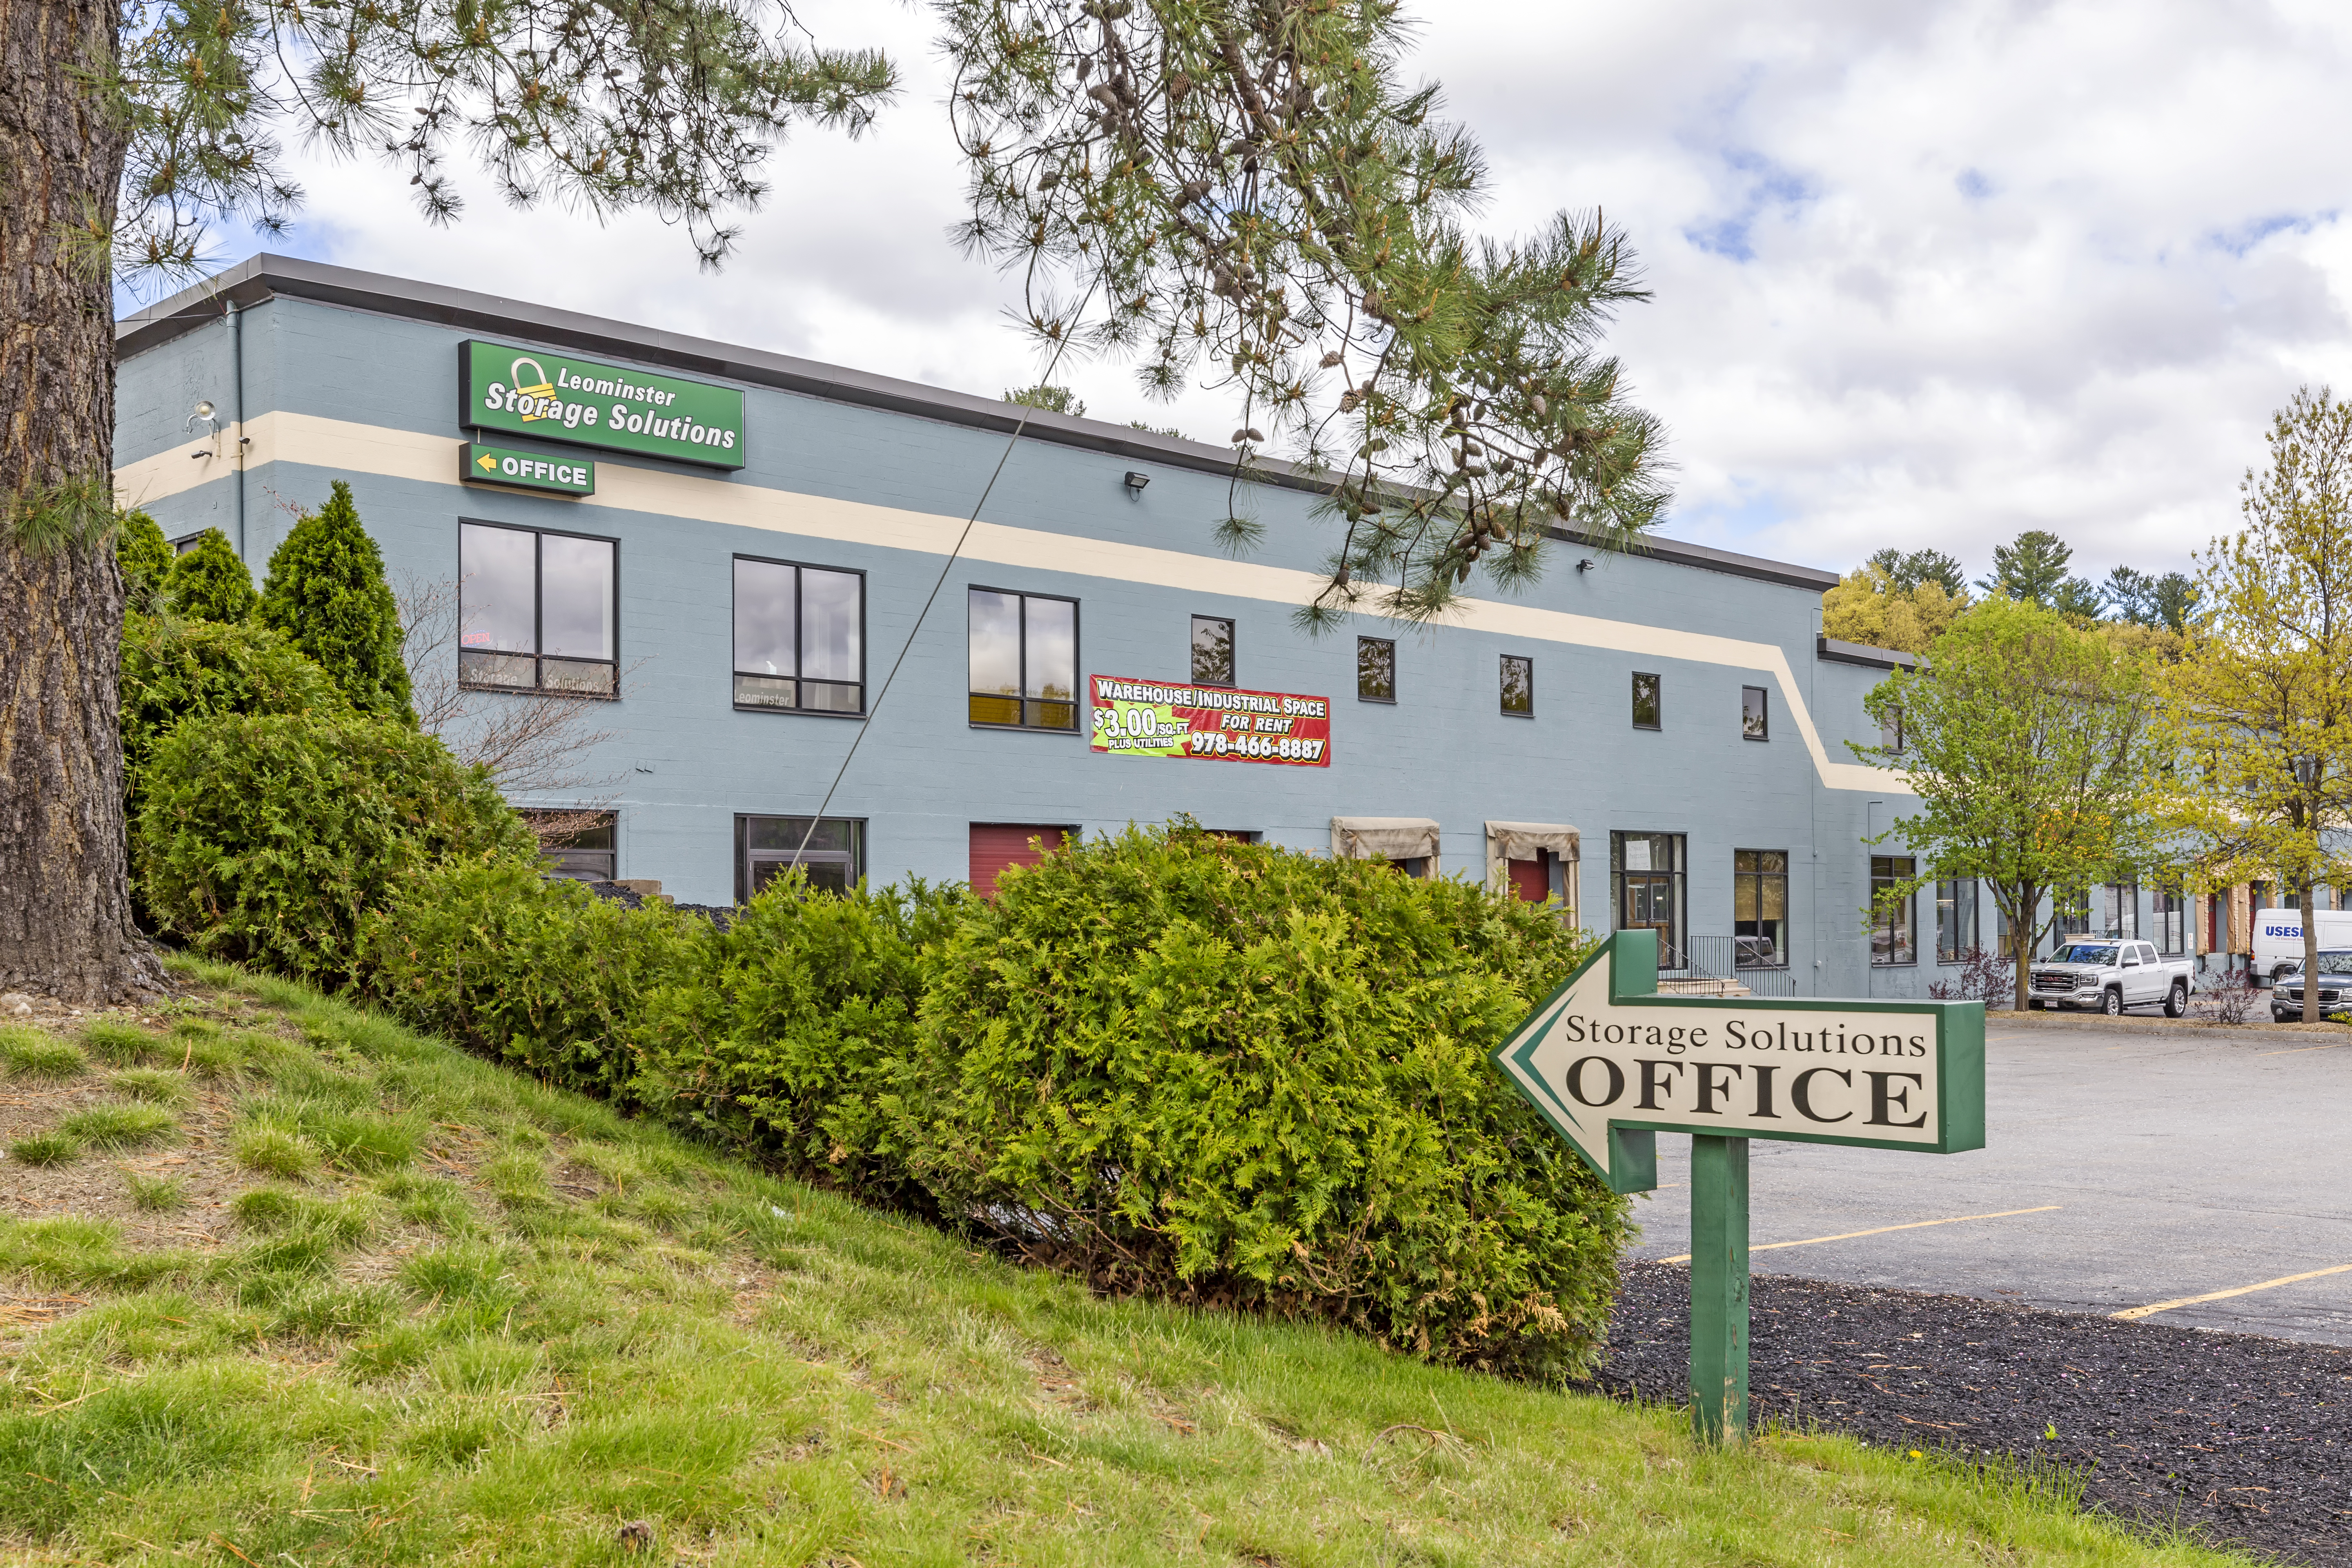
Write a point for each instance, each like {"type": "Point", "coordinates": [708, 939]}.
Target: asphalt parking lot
{"type": "Point", "coordinates": [2120, 1173]}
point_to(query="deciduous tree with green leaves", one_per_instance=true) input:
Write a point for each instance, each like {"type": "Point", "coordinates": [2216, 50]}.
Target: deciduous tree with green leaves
{"type": "Point", "coordinates": [2258, 709]}
{"type": "Point", "coordinates": [2026, 740]}
{"type": "Point", "coordinates": [327, 595]}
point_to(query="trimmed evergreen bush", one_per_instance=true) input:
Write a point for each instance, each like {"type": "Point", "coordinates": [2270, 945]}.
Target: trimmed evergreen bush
{"type": "Point", "coordinates": [268, 838]}
{"type": "Point", "coordinates": [145, 557]}
{"type": "Point", "coordinates": [326, 594]}
{"type": "Point", "coordinates": [174, 669]}
{"type": "Point", "coordinates": [1241, 1075]}
{"type": "Point", "coordinates": [209, 582]}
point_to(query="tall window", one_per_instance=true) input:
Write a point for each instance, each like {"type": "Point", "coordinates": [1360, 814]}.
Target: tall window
{"type": "Point", "coordinates": [1760, 907]}
{"type": "Point", "coordinates": [1956, 918]}
{"type": "Point", "coordinates": [2070, 913]}
{"type": "Point", "coordinates": [1647, 868]}
{"type": "Point", "coordinates": [1212, 651]}
{"type": "Point", "coordinates": [536, 610]}
{"type": "Point", "coordinates": [2120, 907]}
{"type": "Point", "coordinates": [1024, 661]}
{"type": "Point", "coordinates": [1649, 709]}
{"type": "Point", "coordinates": [1375, 669]}
{"type": "Point", "coordinates": [1890, 729]}
{"type": "Point", "coordinates": [1755, 713]}
{"type": "Point", "coordinates": [2170, 916]}
{"type": "Point", "coordinates": [800, 638]}
{"type": "Point", "coordinates": [1891, 940]}
{"type": "Point", "coordinates": [1519, 686]}
{"type": "Point", "coordinates": [831, 850]}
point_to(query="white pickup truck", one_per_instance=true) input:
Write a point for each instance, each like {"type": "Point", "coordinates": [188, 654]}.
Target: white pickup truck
{"type": "Point", "coordinates": [2109, 974]}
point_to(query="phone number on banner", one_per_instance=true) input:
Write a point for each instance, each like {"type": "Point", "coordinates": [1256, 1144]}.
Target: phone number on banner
{"type": "Point", "coordinates": [1215, 723]}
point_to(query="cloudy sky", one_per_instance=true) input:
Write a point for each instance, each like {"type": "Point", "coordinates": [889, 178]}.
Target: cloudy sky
{"type": "Point", "coordinates": [1926, 274]}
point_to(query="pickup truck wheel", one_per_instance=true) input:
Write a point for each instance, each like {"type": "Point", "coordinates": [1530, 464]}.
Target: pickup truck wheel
{"type": "Point", "coordinates": [2112, 1004]}
{"type": "Point", "coordinates": [2175, 1000]}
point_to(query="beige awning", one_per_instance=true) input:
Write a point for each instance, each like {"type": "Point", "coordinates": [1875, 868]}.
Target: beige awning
{"type": "Point", "coordinates": [1509, 841]}
{"type": "Point", "coordinates": [1383, 838]}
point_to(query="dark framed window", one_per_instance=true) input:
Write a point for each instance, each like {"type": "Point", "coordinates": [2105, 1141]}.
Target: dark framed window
{"type": "Point", "coordinates": [1024, 661]}
{"type": "Point", "coordinates": [1212, 651]}
{"type": "Point", "coordinates": [1956, 918]}
{"type": "Point", "coordinates": [1519, 686]}
{"type": "Point", "coordinates": [1649, 704]}
{"type": "Point", "coordinates": [2120, 907]}
{"type": "Point", "coordinates": [1890, 729]}
{"type": "Point", "coordinates": [1892, 941]}
{"type": "Point", "coordinates": [2168, 917]}
{"type": "Point", "coordinates": [2070, 913]}
{"type": "Point", "coordinates": [582, 846]}
{"type": "Point", "coordinates": [1375, 669]}
{"type": "Point", "coordinates": [1755, 713]}
{"type": "Point", "coordinates": [1760, 907]}
{"type": "Point", "coordinates": [800, 638]}
{"type": "Point", "coordinates": [831, 850]}
{"type": "Point", "coordinates": [187, 542]}
{"type": "Point", "coordinates": [538, 610]}
{"type": "Point", "coordinates": [1646, 871]}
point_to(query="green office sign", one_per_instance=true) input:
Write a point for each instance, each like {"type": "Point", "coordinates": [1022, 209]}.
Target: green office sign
{"type": "Point", "coordinates": [481, 465]}
{"type": "Point", "coordinates": [1611, 1063]}
{"type": "Point", "coordinates": [553, 396]}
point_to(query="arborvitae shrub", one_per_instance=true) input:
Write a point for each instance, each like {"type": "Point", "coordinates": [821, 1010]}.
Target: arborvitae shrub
{"type": "Point", "coordinates": [1237, 1074]}
{"type": "Point", "coordinates": [269, 840]}
{"type": "Point", "coordinates": [327, 594]}
{"type": "Point", "coordinates": [145, 557]}
{"type": "Point", "coordinates": [210, 582]}
{"type": "Point", "coordinates": [174, 669]}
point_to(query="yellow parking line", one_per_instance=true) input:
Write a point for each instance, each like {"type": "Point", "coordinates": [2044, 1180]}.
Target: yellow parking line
{"type": "Point", "coordinates": [2330, 1046]}
{"type": "Point", "coordinates": [2223, 1295]}
{"type": "Point", "coordinates": [1882, 1230]}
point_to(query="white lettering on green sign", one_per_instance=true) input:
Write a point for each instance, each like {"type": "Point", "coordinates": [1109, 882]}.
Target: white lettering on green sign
{"type": "Point", "coordinates": [557, 397]}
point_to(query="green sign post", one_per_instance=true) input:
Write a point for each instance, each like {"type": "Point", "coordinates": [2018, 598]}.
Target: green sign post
{"type": "Point", "coordinates": [1611, 1064]}
{"type": "Point", "coordinates": [481, 465]}
{"type": "Point", "coordinates": [556, 396]}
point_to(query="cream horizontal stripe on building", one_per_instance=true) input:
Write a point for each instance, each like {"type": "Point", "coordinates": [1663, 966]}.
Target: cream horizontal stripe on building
{"type": "Point", "coordinates": [284, 436]}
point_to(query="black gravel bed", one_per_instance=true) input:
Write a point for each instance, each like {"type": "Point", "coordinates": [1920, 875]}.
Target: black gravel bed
{"type": "Point", "coordinates": [2245, 1439]}
{"type": "Point", "coordinates": [719, 915]}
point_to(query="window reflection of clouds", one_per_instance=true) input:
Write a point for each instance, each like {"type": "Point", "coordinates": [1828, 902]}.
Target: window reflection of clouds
{"type": "Point", "coordinates": [494, 594]}
{"type": "Point", "coordinates": [995, 642]}
{"type": "Point", "coordinates": [1053, 649]}
{"type": "Point", "coordinates": [830, 647]}
{"type": "Point", "coordinates": [764, 618]}
{"type": "Point", "coordinates": [576, 596]}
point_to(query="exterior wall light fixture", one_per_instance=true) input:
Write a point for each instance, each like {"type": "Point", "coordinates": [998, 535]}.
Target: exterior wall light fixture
{"type": "Point", "coordinates": [203, 413]}
{"type": "Point", "coordinates": [1136, 480]}
{"type": "Point", "coordinates": [1585, 564]}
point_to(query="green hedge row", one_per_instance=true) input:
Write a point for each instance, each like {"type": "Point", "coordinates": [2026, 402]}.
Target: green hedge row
{"type": "Point", "coordinates": [1224, 1073]}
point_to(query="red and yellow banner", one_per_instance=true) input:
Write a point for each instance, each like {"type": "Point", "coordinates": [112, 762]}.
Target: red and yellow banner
{"type": "Point", "coordinates": [1215, 723]}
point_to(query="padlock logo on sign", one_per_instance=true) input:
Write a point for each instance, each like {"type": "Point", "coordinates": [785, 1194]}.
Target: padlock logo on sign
{"type": "Point", "coordinates": [543, 389]}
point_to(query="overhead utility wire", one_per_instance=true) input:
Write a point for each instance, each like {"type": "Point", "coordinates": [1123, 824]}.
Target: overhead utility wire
{"type": "Point", "coordinates": [949, 565]}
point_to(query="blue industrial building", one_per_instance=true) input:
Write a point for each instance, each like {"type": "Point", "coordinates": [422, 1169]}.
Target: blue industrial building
{"type": "Point", "coordinates": [732, 549]}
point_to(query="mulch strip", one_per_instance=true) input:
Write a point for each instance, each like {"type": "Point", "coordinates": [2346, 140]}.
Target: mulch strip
{"type": "Point", "coordinates": [2246, 1441]}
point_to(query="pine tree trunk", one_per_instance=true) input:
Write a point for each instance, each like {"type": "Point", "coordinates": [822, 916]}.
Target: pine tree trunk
{"type": "Point", "coordinates": [65, 900]}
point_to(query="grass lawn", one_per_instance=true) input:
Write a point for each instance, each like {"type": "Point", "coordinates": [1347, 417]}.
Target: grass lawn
{"type": "Point", "coordinates": [284, 1283]}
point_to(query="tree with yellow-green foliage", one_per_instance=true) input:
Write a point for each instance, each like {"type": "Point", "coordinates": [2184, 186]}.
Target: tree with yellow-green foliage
{"type": "Point", "coordinates": [1871, 606]}
{"type": "Point", "coordinates": [2258, 709]}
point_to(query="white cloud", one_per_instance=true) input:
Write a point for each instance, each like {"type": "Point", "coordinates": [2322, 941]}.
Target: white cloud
{"type": "Point", "coordinates": [1924, 274]}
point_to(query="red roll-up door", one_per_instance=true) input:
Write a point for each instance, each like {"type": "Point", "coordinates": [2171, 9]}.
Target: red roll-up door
{"type": "Point", "coordinates": [998, 845]}
{"type": "Point", "coordinates": [1531, 880]}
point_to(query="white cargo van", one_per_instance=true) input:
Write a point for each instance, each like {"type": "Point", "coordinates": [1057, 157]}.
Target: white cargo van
{"type": "Point", "coordinates": [2278, 937]}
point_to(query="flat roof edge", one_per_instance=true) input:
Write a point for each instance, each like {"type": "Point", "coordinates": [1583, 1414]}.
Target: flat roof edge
{"type": "Point", "coordinates": [1837, 652]}
{"type": "Point", "coordinates": [265, 275]}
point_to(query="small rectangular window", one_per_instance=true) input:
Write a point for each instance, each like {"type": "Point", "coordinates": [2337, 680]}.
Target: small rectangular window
{"type": "Point", "coordinates": [536, 610]}
{"type": "Point", "coordinates": [1755, 713]}
{"type": "Point", "coordinates": [1024, 661]}
{"type": "Point", "coordinates": [831, 852]}
{"type": "Point", "coordinates": [1648, 707]}
{"type": "Point", "coordinates": [578, 844]}
{"type": "Point", "coordinates": [1891, 938]}
{"type": "Point", "coordinates": [800, 638]}
{"type": "Point", "coordinates": [1519, 686]}
{"type": "Point", "coordinates": [1375, 669]}
{"type": "Point", "coordinates": [1212, 651]}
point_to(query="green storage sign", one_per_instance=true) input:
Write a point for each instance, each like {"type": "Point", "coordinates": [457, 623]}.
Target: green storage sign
{"type": "Point", "coordinates": [560, 397]}
{"type": "Point", "coordinates": [480, 465]}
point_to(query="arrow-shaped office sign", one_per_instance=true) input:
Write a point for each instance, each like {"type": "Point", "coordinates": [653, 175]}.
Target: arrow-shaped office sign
{"type": "Point", "coordinates": [1609, 1061]}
